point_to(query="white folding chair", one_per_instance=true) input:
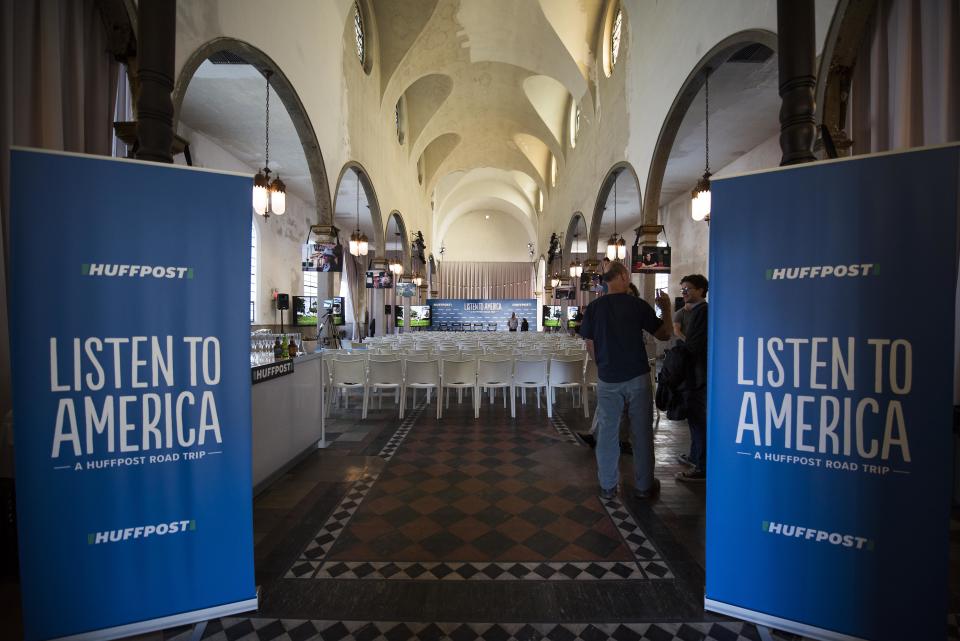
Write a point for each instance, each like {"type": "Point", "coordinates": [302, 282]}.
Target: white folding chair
{"type": "Point", "coordinates": [347, 374]}
{"type": "Point", "coordinates": [590, 380]}
{"type": "Point", "coordinates": [566, 372]}
{"type": "Point", "coordinates": [494, 372]}
{"type": "Point", "coordinates": [459, 374]}
{"type": "Point", "coordinates": [385, 372]}
{"type": "Point", "coordinates": [422, 372]}
{"type": "Point", "coordinates": [530, 372]}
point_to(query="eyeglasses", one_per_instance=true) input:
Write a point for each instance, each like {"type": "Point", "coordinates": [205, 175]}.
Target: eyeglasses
{"type": "Point", "coordinates": [684, 290]}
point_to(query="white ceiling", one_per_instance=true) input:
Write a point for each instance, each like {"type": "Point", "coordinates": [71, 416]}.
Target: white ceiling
{"type": "Point", "coordinates": [744, 103]}
{"type": "Point", "coordinates": [227, 103]}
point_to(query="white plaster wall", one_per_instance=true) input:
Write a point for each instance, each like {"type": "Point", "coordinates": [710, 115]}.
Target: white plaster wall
{"type": "Point", "coordinates": [476, 238]}
{"type": "Point", "coordinates": [279, 237]}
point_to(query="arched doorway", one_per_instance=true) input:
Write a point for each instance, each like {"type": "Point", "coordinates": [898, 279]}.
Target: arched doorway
{"type": "Point", "coordinates": [227, 130]}
{"type": "Point", "coordinates": [357, 211]}
{"type": "Point", "coordinates": [396, 251]}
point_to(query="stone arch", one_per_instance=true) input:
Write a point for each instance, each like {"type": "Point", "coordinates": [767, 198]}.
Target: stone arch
{"type": "Point", "coordinates": [291, 102]}
{"type": "Point", "coordinates": [399, 224]}
{"type": "Point", "coordinates": [844, 37]}
{"type": "Point", "coordinates": [576, 225]}
{"type": "Point", "coordinates": [612, 174]}
{"type": "Point", "coordinates": [376, 218]}
{"type": "Point", "coordinates": [719, 54]}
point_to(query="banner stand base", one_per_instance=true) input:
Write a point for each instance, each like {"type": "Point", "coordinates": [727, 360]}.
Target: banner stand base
{"type": "Point", "coordinates": [766, 634]}
{"type": "Point", "coordinates": [198, 617]}
{"type": "Point", "coordinates": [198, 629]}
{"type": "Point", "coordinates": [765, 622]}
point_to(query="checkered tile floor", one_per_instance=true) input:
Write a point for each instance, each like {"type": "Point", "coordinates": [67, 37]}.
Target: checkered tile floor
{"type": "Point", "coordinates": [479, 502]}
{"type": "Point", "coordinates": [301, 630]}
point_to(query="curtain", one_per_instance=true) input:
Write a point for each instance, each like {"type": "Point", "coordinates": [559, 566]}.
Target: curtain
{"type": "Point", "coordinates": [906, 83]}
{"type": "Point", "coordinates": [905, 90]}
{"type": "Point", "coordinates": [57, 91]}
{"type": "Point", "coordinates": [490, 281]}
{"type": "Point", "coordinates": [354, 297]}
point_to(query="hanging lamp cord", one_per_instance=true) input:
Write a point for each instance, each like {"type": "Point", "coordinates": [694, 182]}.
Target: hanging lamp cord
{"type": "Point", "coordinates": [706, 109]}
{"type": "Point", "coordinates": [267, 124]}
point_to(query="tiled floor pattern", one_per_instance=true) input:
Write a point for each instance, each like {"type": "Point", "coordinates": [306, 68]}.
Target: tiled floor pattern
{"type": "Point", "coordinates": [486, 501]}
{"type": "Point", "coordinates": [230, 629]}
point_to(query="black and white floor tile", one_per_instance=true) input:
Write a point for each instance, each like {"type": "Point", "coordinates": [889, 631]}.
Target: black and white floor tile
{"type": "Point", "coordinates": [231, 629]}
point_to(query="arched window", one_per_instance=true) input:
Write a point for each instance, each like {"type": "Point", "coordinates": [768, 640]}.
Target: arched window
{"type": "Point", "coordinates": [360, 34]}
{"type": "Point", "coordinates": [253, 272]}
{"type": "Point", "coordinates": [540, 200]}
{"type": "Point", "coordinates": [615, 34]}
{"type": "Point", "coordinates": [574, 122]}
{"type": "Point", "coordinates": [553, 170]}
{"type": "Point", "coordinates": [398, 120]}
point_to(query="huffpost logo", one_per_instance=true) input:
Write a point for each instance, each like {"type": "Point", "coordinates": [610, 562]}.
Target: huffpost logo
{"type": "Point", "coordinates": [113, 270]}
{"type": "Point", "coordinates": [824, 271]}
{"type": "Point", "coordinates": [142, 532]}
{"type": "Point", "coordinates": [841, 539]}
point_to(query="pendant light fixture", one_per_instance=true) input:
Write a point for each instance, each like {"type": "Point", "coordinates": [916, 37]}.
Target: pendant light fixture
{"type": "Point", "coordinates": [700, 207]}
{"type": "Point", "coordinates": [269, 196]}
{"type": "Point", "coordinates": [576, 268]}
{"type": "Point", "coordinates": [359, 244]}
{"type": "Point", "coordinates": [616, 245]}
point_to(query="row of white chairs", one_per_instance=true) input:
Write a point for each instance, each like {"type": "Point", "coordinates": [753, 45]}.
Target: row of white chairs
{"type": "Point", "coordinates": [375, 373]}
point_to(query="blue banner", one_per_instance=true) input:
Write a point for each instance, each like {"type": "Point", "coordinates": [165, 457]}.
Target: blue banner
{"type": "Point", "coordinates": [130, 354]}
{"type": "Point", "coordinates": [830, 395]}
{"type": "Point", "coordinates": [470, 310]}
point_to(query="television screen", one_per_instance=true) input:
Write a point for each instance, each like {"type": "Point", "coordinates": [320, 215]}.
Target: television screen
{"type": "Point", "coordinates": [406, 289]}
{"type": "Point", "coordinates": [650, 259]}
{"type": "Point", "coordinates": [551, 315]}
{"type": "Point", "coordinates": [379, 279]}
{"type": "Point", "coordinates": [321, 257]}
{"type": "Point", "coordinates": [335, 307]}
{"type": "Point", "coordinates": [305, 311]}
{"type": "Point", "coordinates": [564, 293]}
{"type": "Point", "coordinates": [419, 316]}
{"type": "Point", "coordinates": [591, 282]}
{"type": "Point", "coordinates": [572, 315]}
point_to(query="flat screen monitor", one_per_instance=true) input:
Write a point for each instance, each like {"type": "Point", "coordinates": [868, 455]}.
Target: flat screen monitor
{"type": "Point", "coordinates": [335, 307]}
{"type": "Point", "coordinates": [321, 257]}
{"type": "Point", "coordinates": [419, 316]}
{"type": "Point", "coordinates": [406, 289]}
{"type": "Point", "coordinates": [305, 311]}
{"type": "Point", "coordinates": [551, 315]}
{"type": "Point", "coordinates": [377, 279]}
{"type": "Point", "coordinates": [564, 293]}
{"type": "Point", "coordinates": [572, 315]}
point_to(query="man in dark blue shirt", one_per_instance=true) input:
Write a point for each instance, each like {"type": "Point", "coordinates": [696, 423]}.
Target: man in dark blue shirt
{"type": "Point", "coordinates": [613, 328]}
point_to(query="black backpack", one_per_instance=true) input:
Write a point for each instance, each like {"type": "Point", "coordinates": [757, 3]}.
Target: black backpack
{"type": "Point", "coordinates": [670, 383]}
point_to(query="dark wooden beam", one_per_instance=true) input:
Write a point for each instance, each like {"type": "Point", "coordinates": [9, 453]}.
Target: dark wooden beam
{"type": "Point", "coordinates": [798, 82]}
{"type": "Point", "coordinates": [157, 22]}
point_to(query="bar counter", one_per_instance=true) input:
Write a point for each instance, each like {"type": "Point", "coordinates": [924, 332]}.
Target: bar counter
{"type": "Point", "coordinates": [287, 415]}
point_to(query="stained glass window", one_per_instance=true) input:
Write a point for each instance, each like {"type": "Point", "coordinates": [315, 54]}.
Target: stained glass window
{"type": "Point", "coordinates": [358, 31]}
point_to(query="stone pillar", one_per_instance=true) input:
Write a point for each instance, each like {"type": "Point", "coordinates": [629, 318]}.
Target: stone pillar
{"type": "Point", "coordinates": [157, 38]}
{"type": "Point", "coordinates": [798, 83]}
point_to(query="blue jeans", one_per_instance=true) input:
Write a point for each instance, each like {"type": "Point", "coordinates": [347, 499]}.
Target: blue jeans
{"type": "Point", "coordinates": [611, 397]}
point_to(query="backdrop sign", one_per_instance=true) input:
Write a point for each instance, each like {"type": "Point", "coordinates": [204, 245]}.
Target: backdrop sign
{"type": "Point", "coordinates": [830, 401]}
{"type": "Point", "coordinates": [131, 394]}
{"type": "Point", "coordinates": [470, 310]}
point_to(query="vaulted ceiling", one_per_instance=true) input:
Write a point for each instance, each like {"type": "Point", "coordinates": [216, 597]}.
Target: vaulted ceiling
{"type": "Point", "coordinates": [485, 105]}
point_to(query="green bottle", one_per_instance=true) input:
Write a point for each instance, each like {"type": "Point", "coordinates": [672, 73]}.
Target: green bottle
{"type": "Point", "coordinates": [285, 348]}
{"type": "Point", "coordinates": [277, 350]}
